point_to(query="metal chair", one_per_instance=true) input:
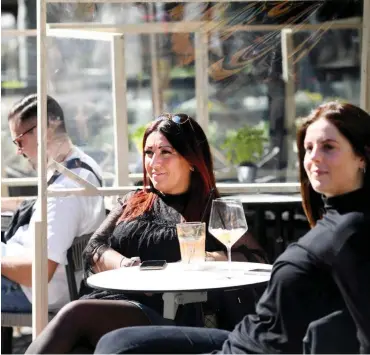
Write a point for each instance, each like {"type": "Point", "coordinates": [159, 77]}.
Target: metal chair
{"type": "Point", "coordinates": [75, 263]}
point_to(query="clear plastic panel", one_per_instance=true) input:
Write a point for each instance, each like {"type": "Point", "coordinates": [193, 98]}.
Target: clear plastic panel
{"type": "Point", "coordinates": [245, 81]}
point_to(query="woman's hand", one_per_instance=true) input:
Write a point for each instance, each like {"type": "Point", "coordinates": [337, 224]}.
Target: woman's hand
{"type": "Point", "coordinates": [128, 262]}
{"type": "Point", "coordinates": [216, 256]}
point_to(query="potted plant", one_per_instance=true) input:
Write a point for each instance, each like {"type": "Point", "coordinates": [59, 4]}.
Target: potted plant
{"type": "Point", "coordinates": [244, 148]}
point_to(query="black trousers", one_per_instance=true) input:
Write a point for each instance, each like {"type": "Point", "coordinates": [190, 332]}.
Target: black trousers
{"type": "Point", "coordinates": [162, 340]}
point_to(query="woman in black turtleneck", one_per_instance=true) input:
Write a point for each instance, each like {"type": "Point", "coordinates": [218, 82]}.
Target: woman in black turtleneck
{"type": "Point", "coordinates": [318, 295]}
{"type": "Point", "coordinates": [178, 171]}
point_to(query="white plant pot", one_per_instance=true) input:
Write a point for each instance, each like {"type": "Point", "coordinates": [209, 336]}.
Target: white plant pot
{"type": "Point", "coordinates": [247, 173]}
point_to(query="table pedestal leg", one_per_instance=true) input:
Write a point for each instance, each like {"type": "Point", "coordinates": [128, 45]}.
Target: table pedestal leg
{"type": "Point", "coordinates": [171, 301]}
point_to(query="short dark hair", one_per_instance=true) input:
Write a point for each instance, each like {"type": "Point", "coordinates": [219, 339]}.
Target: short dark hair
{"type": "Point", "coordinates": [354, 124]}
{"type": "Point", "coordinates": [26, 109]}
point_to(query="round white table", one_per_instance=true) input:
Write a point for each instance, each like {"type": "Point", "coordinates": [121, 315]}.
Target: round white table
{"type": "Point", "coordinates": [181, 283]}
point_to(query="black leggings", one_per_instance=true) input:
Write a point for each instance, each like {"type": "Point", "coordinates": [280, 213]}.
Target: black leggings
{"type": "Point", "coordinates": [79, 325]}
{"type": "Point", "coordinates": [162, 340]}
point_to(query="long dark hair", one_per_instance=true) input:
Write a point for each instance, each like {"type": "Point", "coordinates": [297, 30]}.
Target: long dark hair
{"type": "Point", "coordinates": [189, 140]}
{"type": "Point", "coordinates": [354, 124]}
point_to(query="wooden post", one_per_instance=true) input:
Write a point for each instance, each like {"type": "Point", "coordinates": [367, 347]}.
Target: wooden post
{"type": "Point", "coordinates": [120, 109]}
{"type": "Point", "coordinates": [288, 77]}
{"type": "Point", "coordinates": [155, 80]}
{"type": "Point", "coordinates": [156, 87]}
{"type": "Point", "coordinates": [287, 49]}
{"type": "Point", "coordinates": [40, 264]}
{"type": "Point", "coordinates": [201, 78]}
{"type": "Point", "coordinates": [365, 58]}
{"type": "Point", "coordinates": [4, 188]}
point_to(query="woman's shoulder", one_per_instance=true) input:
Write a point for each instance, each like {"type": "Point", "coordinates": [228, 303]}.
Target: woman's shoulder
{"type": "Point", "coordinates": [304, 261]}
{"type": "Point", "coordinates": [332, 232]}
{"type": "Point", "coordinates": [355, 220]}
{"type": "Point", "coordinates": [122, 200]}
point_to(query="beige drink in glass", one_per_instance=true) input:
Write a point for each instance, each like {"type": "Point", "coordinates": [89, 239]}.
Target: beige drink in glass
{"type": "Point", "coordinates": [192, 239]}
{"type": "Point", "coordinates": [227, 223]}
{"type": "Point", "coordinates": [228, 237]}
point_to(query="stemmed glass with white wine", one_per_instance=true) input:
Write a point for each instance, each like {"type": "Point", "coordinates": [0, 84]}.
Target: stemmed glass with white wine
{"type": "Point", "coordinates": [227, 223]}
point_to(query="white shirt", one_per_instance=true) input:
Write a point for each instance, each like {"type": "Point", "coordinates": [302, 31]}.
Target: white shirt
{"type": "Point", "coordinates": [68, 217]}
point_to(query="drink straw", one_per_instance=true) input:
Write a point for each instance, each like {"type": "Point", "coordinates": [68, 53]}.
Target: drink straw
{"type": "Point", "coordinates": [208, 202]}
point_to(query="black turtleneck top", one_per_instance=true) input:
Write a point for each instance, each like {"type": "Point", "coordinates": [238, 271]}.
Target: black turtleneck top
{"type": "Point", "coordinates": [327, 270]}
{"type": "Point", "coordinates": [151, 236]}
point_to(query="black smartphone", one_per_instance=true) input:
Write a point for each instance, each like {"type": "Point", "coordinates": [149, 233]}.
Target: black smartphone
{"type": "Point", "coordinates": [260, 270]}
{"type": "Point", "coordinates": [153, 265]}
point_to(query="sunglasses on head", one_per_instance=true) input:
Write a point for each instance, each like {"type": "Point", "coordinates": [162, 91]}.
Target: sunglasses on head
{"type": "Point", "coordinates": [178, 118]}
{"type": "Point", "coordinates": [16, 140]}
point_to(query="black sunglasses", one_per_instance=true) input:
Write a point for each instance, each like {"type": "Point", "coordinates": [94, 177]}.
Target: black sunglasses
{"type": "Point", "coordinates": [178, 118]}
{"type": "Point", "coordinates": [15, 140]}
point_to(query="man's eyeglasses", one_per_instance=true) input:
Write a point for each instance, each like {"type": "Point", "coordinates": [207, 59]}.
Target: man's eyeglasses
{"type": "Point", "coordinates": [17, 141]}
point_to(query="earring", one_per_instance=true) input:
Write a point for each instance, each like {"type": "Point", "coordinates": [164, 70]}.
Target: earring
{"type": "Point", "coordinates": [191, 168]}
{"type": "Point", "coordinates": [364, 170]}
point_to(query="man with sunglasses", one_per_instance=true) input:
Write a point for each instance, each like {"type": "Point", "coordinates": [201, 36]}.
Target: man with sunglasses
{"type": "Point", "coordinates": [68, 217]}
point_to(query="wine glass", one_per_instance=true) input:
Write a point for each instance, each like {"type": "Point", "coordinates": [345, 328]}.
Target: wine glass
{"type": "Point", "coordinates": [227, 223]}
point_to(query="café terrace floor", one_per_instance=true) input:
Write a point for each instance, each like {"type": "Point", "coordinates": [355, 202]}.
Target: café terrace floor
{"type": "Point", "coordinates": [22, 338]}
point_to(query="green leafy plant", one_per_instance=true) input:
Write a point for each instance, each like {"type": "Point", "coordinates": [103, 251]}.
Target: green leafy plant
{"type": "Point", "coordinates": [244, 145]}
{"type": "Point", "coordinates": [137, 136]}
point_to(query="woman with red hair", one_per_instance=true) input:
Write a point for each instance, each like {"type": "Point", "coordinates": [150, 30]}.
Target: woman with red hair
{"type": "Point", "coordinates": [178, 182]}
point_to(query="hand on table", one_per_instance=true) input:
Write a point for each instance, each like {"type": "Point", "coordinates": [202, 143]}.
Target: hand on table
{"type": "Point", "coordinates": [216, 256]}
{"type": "Point", "coordinates": [128, 262]}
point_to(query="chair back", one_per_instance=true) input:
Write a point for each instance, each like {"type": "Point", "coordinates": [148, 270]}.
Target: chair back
{"type": "Point", "coordinates": [75, 263]}
{"type": "Point", "coordinates": [333, 334]}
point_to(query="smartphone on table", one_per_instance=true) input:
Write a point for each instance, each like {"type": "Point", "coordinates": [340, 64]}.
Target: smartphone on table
{"type": "Point", "coordinates": [153, 265]}
{"type": "Point", "coordinates": [261, 270]}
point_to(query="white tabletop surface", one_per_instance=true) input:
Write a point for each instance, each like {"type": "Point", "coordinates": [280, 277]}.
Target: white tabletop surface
{"type": "Point", "coordinates": [267, 198]}
{"type": "Point", "coordinates": [177, 277]}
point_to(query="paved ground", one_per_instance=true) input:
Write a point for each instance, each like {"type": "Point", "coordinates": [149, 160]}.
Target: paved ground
{"type": "Point", "coordinates": [22, 338]}
{"type": "Point", "coordinates": [21, 343]}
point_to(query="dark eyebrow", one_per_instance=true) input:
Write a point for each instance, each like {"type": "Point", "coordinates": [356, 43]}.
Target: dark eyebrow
{"type": "Point", "coordinates": [160, 147]}
{"type": "Point", "coordinates": [329, 140]}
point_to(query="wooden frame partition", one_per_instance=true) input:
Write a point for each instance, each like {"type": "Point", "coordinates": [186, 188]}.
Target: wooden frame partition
{"type": "Point", "coordinates": [365, 58]}
{"type": "Point", "coordinates": [40, 264]}
{"type": "Point", "coordinates": [116, 34]}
